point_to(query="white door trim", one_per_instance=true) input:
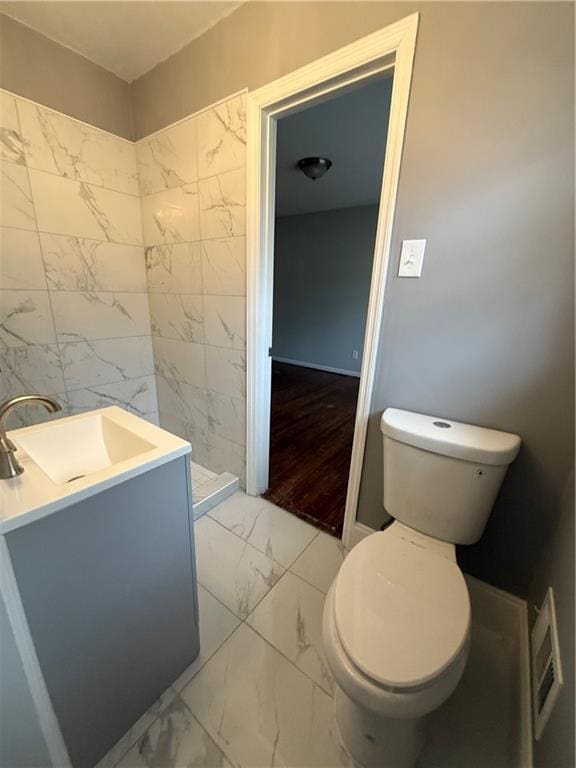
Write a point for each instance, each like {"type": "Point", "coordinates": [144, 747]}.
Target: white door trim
{"type": "Point", "coordinates": [391, 47]}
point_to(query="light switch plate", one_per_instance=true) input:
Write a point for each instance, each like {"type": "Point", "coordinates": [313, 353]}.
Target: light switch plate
{"type": "Point", "coordinates": [411, 258]}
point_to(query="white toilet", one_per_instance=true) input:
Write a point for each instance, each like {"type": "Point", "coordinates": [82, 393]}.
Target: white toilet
{"type": "Point", "coordinates": [397, 617]}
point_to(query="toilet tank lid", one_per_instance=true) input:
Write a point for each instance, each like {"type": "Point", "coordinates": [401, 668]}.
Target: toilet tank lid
{"type": "Point", "coordinates": [450, 438]}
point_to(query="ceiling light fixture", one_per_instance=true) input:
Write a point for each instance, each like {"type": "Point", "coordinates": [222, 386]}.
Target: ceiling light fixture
{"type": "Point", "coordinates": [314, 167]}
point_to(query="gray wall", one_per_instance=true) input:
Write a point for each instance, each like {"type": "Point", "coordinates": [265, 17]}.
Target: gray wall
{"type": "Point", "coordinates": [22, 743]}
{"type": "Point", "coordinates": [39, 69]}
{"type": "Point", "coordinates": [322, 266]}
{"type": "Point", "coordinates": [556, 747]}
{"type": "Point", "coordinates": [487, 177]}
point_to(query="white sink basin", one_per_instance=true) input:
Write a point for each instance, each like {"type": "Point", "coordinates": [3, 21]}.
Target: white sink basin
{"type": "Point", "coordinates": [71, 450]}
{"type": "Point", "coordinates": [70, 459]}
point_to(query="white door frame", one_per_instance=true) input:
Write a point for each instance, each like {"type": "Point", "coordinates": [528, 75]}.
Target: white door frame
{"type": "Point", "coordinates": [391, 47]}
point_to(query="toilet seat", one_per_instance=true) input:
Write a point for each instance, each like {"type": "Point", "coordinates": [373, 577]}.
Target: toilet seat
{"type": "Point", "coordinates": [402, 612]}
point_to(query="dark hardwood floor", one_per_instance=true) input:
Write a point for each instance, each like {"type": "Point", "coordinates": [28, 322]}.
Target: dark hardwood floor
{"type": "Point", "coordinates": [311, 432]}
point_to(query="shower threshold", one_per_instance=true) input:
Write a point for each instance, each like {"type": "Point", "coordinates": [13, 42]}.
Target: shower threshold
{"type": "Point", "coordinates": [209, 488]}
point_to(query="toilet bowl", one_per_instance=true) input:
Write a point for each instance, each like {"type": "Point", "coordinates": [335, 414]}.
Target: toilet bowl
{"type": "Point", "coordinates": [396, 631]}
{"type": "Point", "coordinates": [396, 625]}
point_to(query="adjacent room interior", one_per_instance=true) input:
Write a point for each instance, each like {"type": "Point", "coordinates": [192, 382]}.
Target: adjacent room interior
{"type": "Point", "coordinates": [329, 164]}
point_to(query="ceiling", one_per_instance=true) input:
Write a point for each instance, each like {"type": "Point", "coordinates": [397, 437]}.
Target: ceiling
{"type": "Point", "coordinates": [351, 131]}
{"type": "Point", "coordinates": [126, 37]}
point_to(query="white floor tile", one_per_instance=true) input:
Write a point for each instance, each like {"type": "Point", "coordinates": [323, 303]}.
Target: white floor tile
{"type": "Point", "coordinates": [290, 617]}
{"type": "Point", "coordinates": [135, 732]}
{"type": "Point", "coordinates": [261, 710]}
{"type": "Point", "coordinates": [320, 562]}
{"type": "Point", "coordinates": [277, 533]}
{"type": "Point", "coordinates": [231, 569]}
{"type": "Point", "coordinates": [175, 740]}
{"type": "Point", "coordinates": [216, 624]}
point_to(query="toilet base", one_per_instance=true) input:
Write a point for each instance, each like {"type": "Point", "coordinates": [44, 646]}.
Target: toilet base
{"type": "Point", "coordinates": [375, 741]}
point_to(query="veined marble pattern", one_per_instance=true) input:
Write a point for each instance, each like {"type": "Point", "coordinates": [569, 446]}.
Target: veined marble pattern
{"type": "Point", "coordinates": [226, 371]}
{"type": "Point", "coordinates": [262, 710]}
{"type": "Point", "coordinates": [93, 363]}
{"type": "Point", "coordinates": [225, 321]}
{"type": "Point", "coordinates": [222, 137]}
{"type": "Point", "coordinates": [185, 402]}
{"type": "Point", "coordinates": [224, 266]}
{"type": "Point", "coordinates": [80, 264]}
{"type": "Point", "coordinates": [216, 624]}
{"type": "Point", "coordinates": [81, 315]}
{"type": "Point", "coordinates": [168, 160]}
{"type": "Point", "coordinates": [31, 369]}
{"type": "Point", "coordinates": [227, 456]}
{"type": "Point", "coordinates": [223, 205]}
{"type": "Point", "coordinates": [227, 416]}
{"type": "Point", "coordinates": [87, 268]}
{"type": "Point", "coordinates": [171, 216]}
{"type": "Point", "coordinates": [17, 206]}
{"type": "Point", "coordinates": [175, 268]}
{"type": "Point", "coordinates": [256, 688]}
{"type": "Point", "coordinates": [25, 318]}
{"type": "Point", "coordinates": [180, 360]}
{"type": "Point", "coordinates": [279, 534]}
{"type": "Point", "coordinates": [66, 147]}
{"type": "Point", "coordinates": [175, 739]}
{"type": "Point", "coordinates": [11, 144]}
{"type": "Point", "coordinates": [21, 266]}
{"type": "Point", "coordinates": [290, 618]}
{"type": "Point", "coordinates": [321, 561]}
{"type": "Point", "coordinates": [194, 431]}
{"type": "Point", "coordinates": [177, 316]}
{"type": "Point", "coordinates": [135, 395]}
{"type": "Point", "coordinates": [111, 759]}
{"type": "Point", "coordinates": [68, 207]}
{"type": "Point", "coordinates": [249, 573]}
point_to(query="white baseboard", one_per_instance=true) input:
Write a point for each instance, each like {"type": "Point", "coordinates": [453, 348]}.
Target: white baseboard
{"type": "Point", "coordinates": [302, 364]}
{"type": "Point", "coordinates": [508, 615]}
{"type": "Point", "coordinates": [359, 531]}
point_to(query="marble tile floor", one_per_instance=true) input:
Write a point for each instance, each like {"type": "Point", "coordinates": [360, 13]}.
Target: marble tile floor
{"type": "Point", "coordinates": [210, 489]}
{"type": "Point", "coordinates": [260, 693]}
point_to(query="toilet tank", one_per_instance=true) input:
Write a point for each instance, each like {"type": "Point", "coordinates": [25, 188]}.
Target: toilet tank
{"type": "Point", "coordinates": [442, 477]}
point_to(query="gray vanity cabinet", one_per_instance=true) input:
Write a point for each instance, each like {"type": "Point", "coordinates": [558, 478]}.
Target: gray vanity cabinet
{"type": "Point", "coordinates": [109, 591]}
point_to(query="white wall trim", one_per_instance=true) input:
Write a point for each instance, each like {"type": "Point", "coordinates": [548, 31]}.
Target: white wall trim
{"type": "Point", "coordinates": [316, 366]}
{"type": "Point", "coordinates": [359, 531]}
{"type": "Point", "coordinates": [507, 614]}
{"type": "Point", "coordinates": [36, 683]}
{"type": "Point", "coordinates": [392, 46]}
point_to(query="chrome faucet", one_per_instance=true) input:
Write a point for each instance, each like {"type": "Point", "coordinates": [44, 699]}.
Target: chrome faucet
{"type": "Point", "coordinates": [9, 465]}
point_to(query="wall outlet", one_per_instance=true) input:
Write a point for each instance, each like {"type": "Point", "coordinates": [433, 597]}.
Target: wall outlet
{"type": "Point", "coordinates": [354, 354]}
{"type": "Point", "coordinates": [411, 258]}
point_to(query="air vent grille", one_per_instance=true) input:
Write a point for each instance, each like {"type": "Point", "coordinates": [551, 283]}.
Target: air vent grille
{"type": "Point", "coordinates": [546, 668]}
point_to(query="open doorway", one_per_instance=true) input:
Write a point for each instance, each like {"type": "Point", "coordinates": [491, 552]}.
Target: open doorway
{"type": "Point", "coordinates": [386, 52]}
{"type": "Point", "coordinates": [329, 167]}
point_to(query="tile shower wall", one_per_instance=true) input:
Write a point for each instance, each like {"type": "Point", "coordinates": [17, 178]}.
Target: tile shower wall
{"type": "Point", "coordinates": [192, 182]}
{"type": "Point", "coordinates": [74, 314]}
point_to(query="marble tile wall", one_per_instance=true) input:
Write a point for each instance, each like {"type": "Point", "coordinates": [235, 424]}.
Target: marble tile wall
{"type": "Point", "coordinates": [192, 182]}
{"type": "Point", "coordinates": [74, 313]}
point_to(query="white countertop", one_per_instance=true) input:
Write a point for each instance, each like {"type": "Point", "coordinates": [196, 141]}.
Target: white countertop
{"type": "Point", "coordinates": [33, 495]}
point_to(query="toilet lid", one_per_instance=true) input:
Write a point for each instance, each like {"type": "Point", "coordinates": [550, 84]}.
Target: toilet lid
{"type": "Point", "coordinates": [402, 612]}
